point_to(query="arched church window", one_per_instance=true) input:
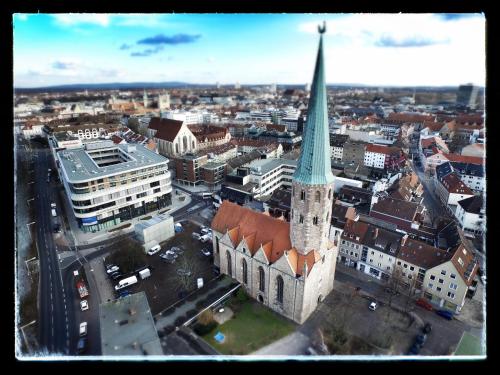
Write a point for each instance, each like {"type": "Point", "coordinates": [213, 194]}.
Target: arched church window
{"type": "Point", "coordinates": [279, 284]}
{"type": "Point", "coordinates": [302, 195]}
{"type": "Point", "coordinates": [330, 194]}
{"type": "Point", "coordinates": [217, 244]}
{"type": "Point", "coordinates": [244, 267]}
{"type": "Point", "coordinates": [229, 264]}
{"type": "Point", "coordinates": [318, 196]}
{"type": "Point", "coordinates": [301, 219]}
{"type": "Point", "coordinates": [261, 279]}
{"type": "Point", "coordinates": [315, 220]}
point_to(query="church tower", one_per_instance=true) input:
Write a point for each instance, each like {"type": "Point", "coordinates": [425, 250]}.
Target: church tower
{"type": "Point", "coordinates": [312, 184]}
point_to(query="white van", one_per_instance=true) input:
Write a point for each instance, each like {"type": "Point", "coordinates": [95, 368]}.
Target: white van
{"type": "Point", "coordinates": [154, 250]}
{"type": "Point", "coordinates": [145, 273]}
{"type": "Point", "coordinates": [126, 282]}
{"type": "Point", "coordinates": [83, 329]}
{"type": "Point", "coordinates": [54, 214]}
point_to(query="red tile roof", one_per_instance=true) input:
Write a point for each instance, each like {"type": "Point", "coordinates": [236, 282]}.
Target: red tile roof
{"type": "Point", "coordinates": [427, 142]}
{"type": "Point", "coordinates": [464, 159]}
{"type": "Point", "coordinates": [454, 184]}
{"type": "Point", "coordinates": [167, 129]}
{"type": "Point", "coordinates": [382, 149]}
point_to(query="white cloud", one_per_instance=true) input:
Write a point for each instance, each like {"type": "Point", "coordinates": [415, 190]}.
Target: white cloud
{"type": "Point", "coordinates": [71, 19]}
{"type": "Point", "coordinates": [21, 16]}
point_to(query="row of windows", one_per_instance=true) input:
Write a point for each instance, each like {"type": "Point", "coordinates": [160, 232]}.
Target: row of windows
{"type": "Point", "coordinates": [317, 197]}
{"type": "Point", "coordinates": [262, 282]}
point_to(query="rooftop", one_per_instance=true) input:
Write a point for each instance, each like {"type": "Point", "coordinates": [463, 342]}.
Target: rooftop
{"type": "Point", "coordinates": [78, 165]}
{"type": "Point", "coordinates": [127, 327]}
{"type": "Point", "coordinates": [263, 166]}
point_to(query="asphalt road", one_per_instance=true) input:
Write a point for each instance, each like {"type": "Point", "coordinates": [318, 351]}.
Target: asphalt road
{"type": "Point", "coordinates": [54, 309]}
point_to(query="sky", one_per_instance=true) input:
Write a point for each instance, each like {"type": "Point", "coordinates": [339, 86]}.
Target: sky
{"type": "Point", "coordinates": [372, 49]}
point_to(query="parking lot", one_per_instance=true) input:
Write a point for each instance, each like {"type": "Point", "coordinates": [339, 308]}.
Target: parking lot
{"type": "Point", "coordinates": [165, 285]}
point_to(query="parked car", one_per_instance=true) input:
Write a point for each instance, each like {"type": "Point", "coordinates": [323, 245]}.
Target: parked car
{"type": "Point", "coordinates": [206, 237]}
{"type": "Point", "coordinates": [445, 314]}
{"type": "Point", "coordinates": [373, 306]}
{"type": "Point", "coordinates": [115, 275]}
{"type": "Point", "coordinates": [82, 345]}
{"type": "Point", "coordinates": [176, 250]}
{"type": "Point", "coordinates": [196, 236]}
{"type": "Point", "coordinates": [84, 305]}
{"type": "Point", "coordinates": [205, 230]}
{"type": "Point", "coordinates": [168, 257]}
{"type": "Point", "coordinates": [183, 272]}
{"type": "Point", "coordinates": [206, 252]}
{"type": "Point", "coordinates": [154, 250]}
{"type": "Point", "coordinates": [414, 350]}
{"type": "Point", "coordinates": [421, 339]}
{"type": "Point", "coordinates": [427, 328]}
{"type": "Point", "coordinates": [83, 329]}
{"type": "Point", "coordinates": [112, 269]}
{"type": "Point", "coordinates": [425, 304]}
{"type": "Point", "coordinates": [52, 205]}
{"type": "Point", "coordinates": [124, 293]}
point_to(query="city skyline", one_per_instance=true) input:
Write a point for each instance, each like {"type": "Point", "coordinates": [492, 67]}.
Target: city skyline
{"type": "Point", "coordinates": [366, 49]}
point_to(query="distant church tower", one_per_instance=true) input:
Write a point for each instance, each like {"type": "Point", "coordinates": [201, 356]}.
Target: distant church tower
{"type": "Point", "coordinates": [145, 99]}
{"type": "Point", "coordinates": [312, 183]}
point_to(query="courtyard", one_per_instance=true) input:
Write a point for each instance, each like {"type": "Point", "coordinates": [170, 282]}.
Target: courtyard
{"type": "Point", "coordinates": [251, 327]}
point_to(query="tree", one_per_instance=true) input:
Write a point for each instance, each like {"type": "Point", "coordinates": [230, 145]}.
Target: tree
{"type": "Point", "coordinates": [129, 256]}
{"type": "Point", "coordinates": [186, 272]}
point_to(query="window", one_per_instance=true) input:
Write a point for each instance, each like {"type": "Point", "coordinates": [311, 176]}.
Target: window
{"type": "Point", "coordinates": [373, 252]}
{"type": "Point", "coordinates": [453, 276]}
{"type": "Point", "coordinates": [443, 272]}
{"type": "Point", "coordinates": [433, 277]}
{"type": "Point", "coordinates": [279, 284]}
{"type": "Point", "coordinates": [330, 194]}
{"type": "Point", "coordinates": [217, 244]}
{"type": "Point", "coordinates": [261, 279]}
{"type": "Point", "coordinates": [302, 195]}
{"type": "Point", "coordinates": [244, 271]}
{"type": "Point", "coordinates": [409, 276]}
{"type": "Point", "coordinates": [405, 265]}
{"type": "Point", "coordinates": [412, 268]}
{"type": "Point", "coordinates": [229, 264]}
{"type": "Point", "coordinates": [399, 263]}
{"type": "Point", "coordinates": [438, 289]}
{"type": "Point", "coordinates": [343, 242]}
{"type": "Point", "coordinates": [430, 285]}
{"type": "Point", "coordinates": [441, 281]}
{"type": "Point", "coordinates": [388, 268]}
{"type": "Point", "coordinates": [453, 286]}
{"type": "Point", "coordinates": [461, 261]}
{"type": "Point", "coordinates": [451, 295]}
{"type": "Point", "coordinates": [315, 220]}
{"type": "Point", "coordinates": [301, 219]}
{"type": "Point", "coordinates": [317, 197]}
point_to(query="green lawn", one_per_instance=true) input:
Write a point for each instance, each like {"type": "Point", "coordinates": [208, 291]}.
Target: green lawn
{"type": "Point", "coordinates": [469, 345]}
{"type": "Point", "coordinates": [252, 327]}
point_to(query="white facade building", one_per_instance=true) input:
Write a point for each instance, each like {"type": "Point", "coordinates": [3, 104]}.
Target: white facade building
{"type": "Point", "coordinates": [107, 184]}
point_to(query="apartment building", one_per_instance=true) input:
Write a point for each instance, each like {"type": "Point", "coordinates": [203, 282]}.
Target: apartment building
{"type": "Point", "coordinates": [108, 184]}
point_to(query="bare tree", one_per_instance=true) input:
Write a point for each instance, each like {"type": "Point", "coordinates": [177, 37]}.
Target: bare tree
{"type": "Point", "coordinates": [186, 272]}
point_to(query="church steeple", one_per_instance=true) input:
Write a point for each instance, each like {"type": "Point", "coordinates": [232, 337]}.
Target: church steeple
{"type": "Point", "coordinates": [314, 165]}
{"type": "Point", "coordinates": [312, 183]}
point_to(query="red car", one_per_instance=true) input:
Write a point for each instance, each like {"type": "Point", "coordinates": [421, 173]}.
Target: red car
{"type": "Point", "coordinates": [423, 303]}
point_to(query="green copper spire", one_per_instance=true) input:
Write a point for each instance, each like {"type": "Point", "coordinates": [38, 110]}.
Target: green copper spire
{"type": "Point", "coordinates": [314, 167]}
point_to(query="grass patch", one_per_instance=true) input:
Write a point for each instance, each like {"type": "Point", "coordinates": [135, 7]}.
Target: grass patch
{"type": "Point", "coordinates": [163, 211]}
{"type": "Point", "coordinates": [252, 327]}
{"type": "Point", "coordinates": [469, 345]}
{"type": "Point", "coordinates": [146, 217]}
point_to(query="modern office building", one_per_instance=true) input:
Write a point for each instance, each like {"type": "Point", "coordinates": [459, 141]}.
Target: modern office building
{"type": "Point", "coordinates": [108, 184]}
{"type": "Point", "coordinates": [467, 95]}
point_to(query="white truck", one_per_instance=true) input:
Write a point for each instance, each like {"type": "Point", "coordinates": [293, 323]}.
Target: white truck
{"type": "Point", "coordinates": [126, 282]}
{"type": "Point", "coordinates": [145, 273]}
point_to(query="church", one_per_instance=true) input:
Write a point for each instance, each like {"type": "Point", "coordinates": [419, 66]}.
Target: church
{"type": "Point", "coordinates": [287, 266]}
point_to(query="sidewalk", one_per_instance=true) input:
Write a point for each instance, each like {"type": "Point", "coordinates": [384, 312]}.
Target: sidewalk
{"type": "Point", "coordinates": [77, 237]}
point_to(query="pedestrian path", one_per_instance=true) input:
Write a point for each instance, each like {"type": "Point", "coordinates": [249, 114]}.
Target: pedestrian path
{"type": "Point", "coordinates": [164, 321]}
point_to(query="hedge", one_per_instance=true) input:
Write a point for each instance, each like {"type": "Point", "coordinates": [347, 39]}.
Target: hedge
{"type": "Point", "coordinates": [203, 329]}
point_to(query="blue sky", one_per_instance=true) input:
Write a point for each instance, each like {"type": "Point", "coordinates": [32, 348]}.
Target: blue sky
{"type": "Point", "coordinates": [373, 49]}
